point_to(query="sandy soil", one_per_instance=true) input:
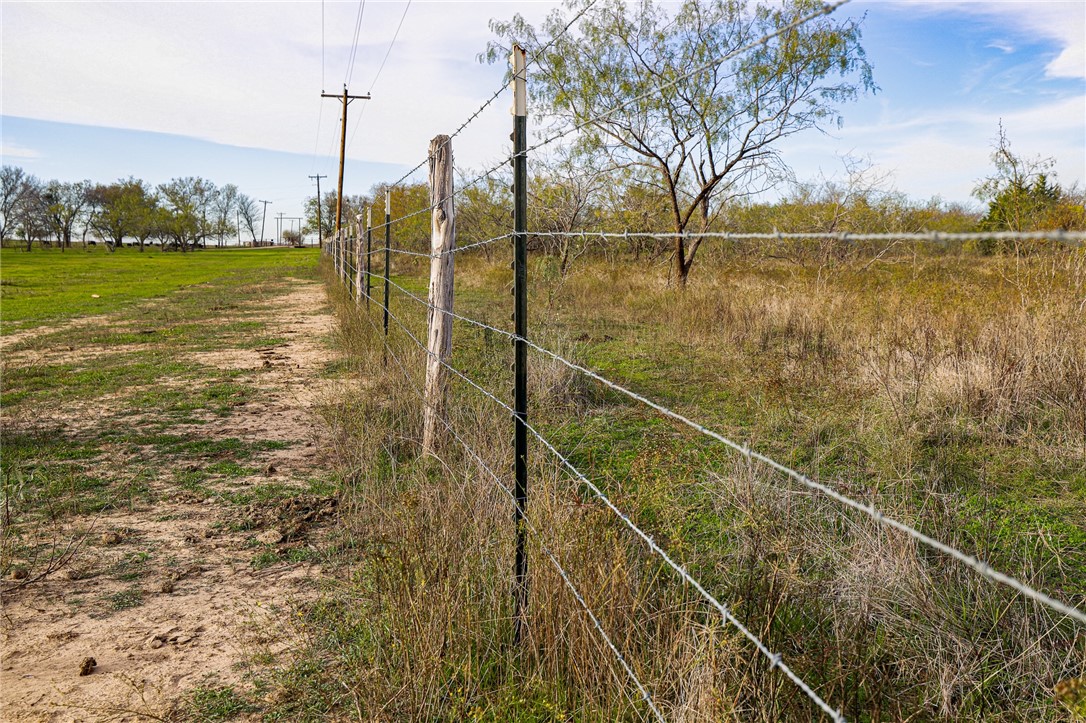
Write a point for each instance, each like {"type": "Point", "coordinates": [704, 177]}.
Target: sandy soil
{"type": "Point", "coordinates": [202, 609]}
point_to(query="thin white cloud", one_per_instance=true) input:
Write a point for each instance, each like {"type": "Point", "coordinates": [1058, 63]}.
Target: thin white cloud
{"type": "Point", "coordinates": [13, 150]}
{"type": "Point", "coordinates": [1060, 21]}
{"type": "Point", "coordinates": [250, 73]}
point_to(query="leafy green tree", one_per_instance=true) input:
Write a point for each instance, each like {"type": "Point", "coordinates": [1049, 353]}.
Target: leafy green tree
{"type": "Point", "coordinates": [327, 211]}
{"type": "Point", "coordinates": [189, 216]}
{"type": "Point", "coordinates": [127, 208]}
{"type": "Point", "coordinates": [1018, 193]}
{"type": "Point", "coordinates": [66, 203]}
{"type": "Point", "coordinates": [705, 137]}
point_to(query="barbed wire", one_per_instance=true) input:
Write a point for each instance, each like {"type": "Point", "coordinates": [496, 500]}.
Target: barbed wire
{"type": "Point", "coordinates": [475, 114]}
{"type": "Point", "coordinates": [932, 236]}
{"type": "Point", "coordinates": [775, 659]}
{"type": "Point", "coordinates": [449, 252]}
{"type": "Point", "coordinates": [531, 529]}
{"type": "Point", "coordinates": [981, 567]}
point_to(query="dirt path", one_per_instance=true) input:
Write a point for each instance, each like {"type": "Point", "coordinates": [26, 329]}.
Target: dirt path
{"type": "Point", "coordinates": [182, 588]}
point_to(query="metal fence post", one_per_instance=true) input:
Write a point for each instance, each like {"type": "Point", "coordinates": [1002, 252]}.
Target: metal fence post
{"type": "Point", "coordinates": [369, 255]}
{"type": "Point", "coordinates": [388, 257]}
{"type": "Point", "coordinates": [520, 326]}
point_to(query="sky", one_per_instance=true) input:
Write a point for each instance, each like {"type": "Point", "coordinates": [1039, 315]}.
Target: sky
{"type": "Point", "coordinates": [231, 91]}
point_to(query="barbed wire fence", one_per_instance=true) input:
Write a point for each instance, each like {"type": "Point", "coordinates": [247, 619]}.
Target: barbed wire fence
{"type": "Point", "coordinates": [351, 259]}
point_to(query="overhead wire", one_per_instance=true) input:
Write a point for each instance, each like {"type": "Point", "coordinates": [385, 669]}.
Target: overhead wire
{"type": "Point", "coordinates": [373, 83]}
{"type": "Point", "coordinates": [354, 46]}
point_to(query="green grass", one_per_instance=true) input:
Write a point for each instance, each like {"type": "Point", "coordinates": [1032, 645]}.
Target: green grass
{"type": "Point", "coordinates": [50, 285]}
{"type": "Point", "coordinates": [786, 357]}
{"type": "Point", "coordinates": [215, 704]}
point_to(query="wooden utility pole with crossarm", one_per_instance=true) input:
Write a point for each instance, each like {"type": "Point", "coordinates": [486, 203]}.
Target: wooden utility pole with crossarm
{"type": "Point", "coordinates": [342, 148]}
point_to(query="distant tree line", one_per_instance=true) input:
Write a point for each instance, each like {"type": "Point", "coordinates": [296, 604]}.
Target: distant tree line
{"type": "Point", "coordinates": [566, 195]}
{"type": "Point", "coordinates": [180, 215]}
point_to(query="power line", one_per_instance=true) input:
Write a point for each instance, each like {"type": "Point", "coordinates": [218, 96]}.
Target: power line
{"type": "Point", "coordinates": [373, 83]}
{"type": "Point", "coordinates": [387, 52]}
{"type": "Point", "coordinates": [354, 46]}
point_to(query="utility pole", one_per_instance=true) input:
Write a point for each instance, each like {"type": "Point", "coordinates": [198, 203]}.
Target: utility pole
{"type": "Point", "coordinates": [342, 148]}
{"type": "Point", "coordinates": [279, 227]}
{"type": "Point", "coordinates": [263, 216]}
{"type": "Point", "coordinates": [237, 214]}
{"type": "Point", "coordinates": [320, 203]}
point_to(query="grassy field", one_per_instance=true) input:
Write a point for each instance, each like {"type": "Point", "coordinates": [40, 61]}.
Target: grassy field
{"type": "Point", "coordinates": [133, 394]}
{"type": "Point", "coordinates": [47, 285]}
{"type": "Point", "coordinates": [948, 389]}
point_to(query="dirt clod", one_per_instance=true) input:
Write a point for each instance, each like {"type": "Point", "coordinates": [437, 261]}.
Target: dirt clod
{"type": "Point", "coordinates": [87, 666]}
{"type": "Point", "coordinates": [270, 537]}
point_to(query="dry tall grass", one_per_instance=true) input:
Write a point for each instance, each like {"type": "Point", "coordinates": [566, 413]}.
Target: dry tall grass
{"type": "Point", "coordinates": [947, 389]}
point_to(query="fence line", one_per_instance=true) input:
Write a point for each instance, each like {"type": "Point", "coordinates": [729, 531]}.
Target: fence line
{"type": "Point", "coordinates": [981, 567]}
{"type": "Point", "coordinates": [775, 659]}
{"type": "Point", "coordinates": [531, 528]}
{"type": "Point", "coordinates": [1058, 235]}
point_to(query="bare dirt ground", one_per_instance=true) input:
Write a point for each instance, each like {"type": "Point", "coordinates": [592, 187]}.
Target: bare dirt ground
{"type": "Point", "coordinates": [185, 587]}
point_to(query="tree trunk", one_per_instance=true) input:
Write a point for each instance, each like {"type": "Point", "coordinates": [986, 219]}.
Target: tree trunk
{"type": "Point", "coordinates": [682, 268]}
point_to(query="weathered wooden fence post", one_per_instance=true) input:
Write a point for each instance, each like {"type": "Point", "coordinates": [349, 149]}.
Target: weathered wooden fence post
{"type": "Point", "coordinates": [439, 325]}
{"type": "Point", "coordinates": [358, 260]}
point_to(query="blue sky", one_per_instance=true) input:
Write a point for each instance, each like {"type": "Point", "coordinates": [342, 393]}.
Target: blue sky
{"type": "Point", "coordinates": [230, 91]}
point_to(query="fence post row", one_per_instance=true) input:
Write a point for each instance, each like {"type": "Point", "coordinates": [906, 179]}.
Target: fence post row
{"type": "Point", "coordinates": [358, 260]}
{"type": "Point", "coordinates": [439, 324]}
{"type": "Point", "coordinates": [518, 59]}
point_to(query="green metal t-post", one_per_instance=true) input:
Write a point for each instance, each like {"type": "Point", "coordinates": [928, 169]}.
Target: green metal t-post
{"type": "Point", "coordinates": [388, 256]}
{"type": "Point", "coordinates": [520, 326]}
{"type": "Point", "coordinates": [369, 256]}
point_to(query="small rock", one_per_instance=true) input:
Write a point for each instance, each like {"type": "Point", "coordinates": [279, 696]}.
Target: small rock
{"type": "Point", "coordinates": [87, 666]}
{"type": "Point", "coordinates": [182, 639]}
{"type": "Point", "coordinates": [270, 537]}
{"type": "Point", "coordinates": [155, 642]}
{"type": "Point", "coordinates": [111, 538]}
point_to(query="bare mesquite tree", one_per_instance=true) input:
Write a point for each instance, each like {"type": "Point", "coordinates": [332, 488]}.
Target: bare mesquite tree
{"type": "Point", "coordinates": [707, 137]}
{"type": "Point", "coordinates": [249, 212]}
{"type": "Point", "coordinates": [13, 186]}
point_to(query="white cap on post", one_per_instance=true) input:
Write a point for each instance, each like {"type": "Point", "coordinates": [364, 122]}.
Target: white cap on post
{"type": "Point", "coordinates": [518, 60]}
{"type": "Point", "coordinates": [388, 201]}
